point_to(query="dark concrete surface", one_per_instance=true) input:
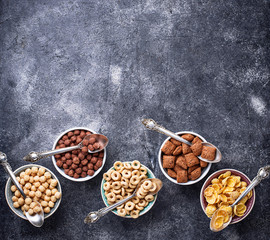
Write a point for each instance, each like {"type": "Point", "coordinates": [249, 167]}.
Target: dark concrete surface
{"type": "Point", "coordinates": [190, 65]}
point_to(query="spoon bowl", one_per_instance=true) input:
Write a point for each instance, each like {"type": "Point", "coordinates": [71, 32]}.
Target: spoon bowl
{"type": "Point", "coordinates": [101, 139]}
{"type": "Point", "coordinates": [218, 153]}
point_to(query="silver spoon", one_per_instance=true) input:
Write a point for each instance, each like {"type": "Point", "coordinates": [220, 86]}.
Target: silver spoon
{"type": "Point", "coordinates": [38, 219]}
{"type": "Point", "coordinates": [35, 156]}
{"type": "Point", "coordinates": [262, 174]}
{"type": "Point", "coordinates": [95, 216]}
{"type": "Point", "coordinates": [152, 125]}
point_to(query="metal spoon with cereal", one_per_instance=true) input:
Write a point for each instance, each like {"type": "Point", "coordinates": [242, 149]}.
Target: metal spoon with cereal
{"type": "Point", "coordinates": [210, 153]}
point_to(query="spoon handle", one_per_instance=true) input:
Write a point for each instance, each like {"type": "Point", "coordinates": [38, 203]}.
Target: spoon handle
{"type": "Point", "coordinates": [262, 174]}
{"type": "Point", "coordinates": [96, 215]}
{"type": "Point", "coordinates": [8, 169]}
{"type": "Point", "coordinates": [152, 125]}
{"type": "Point", "coordinates": [35, 156]}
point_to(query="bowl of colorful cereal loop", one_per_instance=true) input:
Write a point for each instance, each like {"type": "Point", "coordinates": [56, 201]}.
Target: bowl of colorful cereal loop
{"type": "Point", "coordinates": [221, 189]}
{"type": "Point", "coordinates": [38, 183]}
{"type": "Point", "coordinates": [120, 181]}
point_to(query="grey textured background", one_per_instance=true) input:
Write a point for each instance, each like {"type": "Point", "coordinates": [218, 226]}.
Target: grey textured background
{"type": "Point", "coordinates": [190, 65]}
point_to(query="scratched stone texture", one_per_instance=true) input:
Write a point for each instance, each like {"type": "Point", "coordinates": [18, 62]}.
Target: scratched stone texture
{"type": "Point", "coordinates": [190, 65]}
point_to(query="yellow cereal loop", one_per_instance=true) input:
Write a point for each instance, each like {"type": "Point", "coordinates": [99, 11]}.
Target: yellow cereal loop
{"type": "Point", "coordinates": [134, 213]}
{"type": "Point", "coordinates": [106, 186]}
{"type": "Point", "coordinates": [116, 191]}
{"type": "Point", "coordinates": [117, 165]}
{"type": "Point", "coordinates": [134, 180]}
{"type": "Point", "coordinates": [115, 176]}
{"type": "Point", "coordinates": [149, 198]}
{"type": "Point", "coordinates": [111, 197]}
{"type": "Point", "coordinates": [127, 166]}
{"type": "Point", "coordinates": [147, 184]}
{"type": "Point", "coordinates": [135, 200]}
{"type": "Point", "coordinates": [116, 185]}
{"type": "Point", "coordinates": [126, 173]}
{"type": "Point", "coordinates": [138, 207]}
{"type": "Point", "coordinates": [136, 164]}
{"type": "Point", "coordinates": [129, 206]}
{"type": "Point", "coordinates": [143, 171]}
{"type": "Point", "coordinates": [121, 212]}
{"type": "Point", "coordinates": [136, 173]}
{"type": "Point", "coordinates": [153, 188]}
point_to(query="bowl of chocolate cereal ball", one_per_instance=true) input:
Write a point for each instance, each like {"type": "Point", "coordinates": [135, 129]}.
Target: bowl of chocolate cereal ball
{"type": "Point", "coordinates": [39, 184]}
{"type": "Point", "coordinates": [120, 181]}
{"type": "Point", "coordinates": [78, 165]}
{"type": "Point", "coordinates": [179, 162]}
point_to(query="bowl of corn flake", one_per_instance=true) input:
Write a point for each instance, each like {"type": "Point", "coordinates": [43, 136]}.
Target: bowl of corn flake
{"type": "Point", "coordinates": [221, 189]}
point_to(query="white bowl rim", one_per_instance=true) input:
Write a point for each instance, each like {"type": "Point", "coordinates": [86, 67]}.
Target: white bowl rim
{"type": "Point", "coordinates": [140, 214]}
{"type": "Point", "coordinates": [190, 182]}
{"type": "Point", "coordinates": [62, 171]}
{"type": "Point", "coordinates": [20, 169]}
{"type": "Point", "coordinates": [229, 169]}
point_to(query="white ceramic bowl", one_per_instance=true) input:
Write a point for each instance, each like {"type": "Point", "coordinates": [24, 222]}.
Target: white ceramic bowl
{"type": "Point", "coordinates": [150, 174]}
{"type": "Point", "coordinates": [9, 193]}
{"type": "Point", "coordinates": [204, 171]}
{"type": "Point", "coordinates": [61, 170]}
{"type": "Point", "coordinates": [250, 202]}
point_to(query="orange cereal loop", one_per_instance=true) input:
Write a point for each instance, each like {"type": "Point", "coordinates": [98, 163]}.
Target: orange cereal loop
{"type": "Point", "coordinates": [115, 176]}
{"type": "Point", "coordinates": [121, 212]}
{"type": "Point", "coordinates": [126, 173]}
{"type": "Point", "coordinates": [134, 213]}
{"type": "Point", "coordinates": [136, 164]}
{"type": "Point", "coordinates": [127, 165]}
{"type": "Point", "coordinates": [143, 170]}
{"type": "Point", "coordinates": [118, 165]}
{"type": "Point", "coordinates": [111, 197]}
{"type": "Point", "coordinates": [149, 198]}
{"type": "Point", "coordinates": [107, 176]}
{"type": "Point", "coordinates": [118, 198]}
{"type": "Point", "coordinates": [129, 206]}
{"type": "Point", "coordinates": [106, 186]}
{"type": "Point", "coordinates": [147, 184]}
{"type": "Point", "coordinates": [116, 185]}
{"type": "Point", "coordinates": [134, 180]}
{"type": "Point", "coordinates": [153, 188]}
{"type": "Point", "coordinates": [135, 200]}
{"type": "Point", "coordinates": [135, 173]}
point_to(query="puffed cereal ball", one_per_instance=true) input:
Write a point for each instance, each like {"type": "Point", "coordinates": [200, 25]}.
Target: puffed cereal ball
{"type": "Point", "coordinates": [54, 191]}
{"type": "Point", "coordinates": [31, 194]}
{"type": "Point", "coordinates": [26, 207]}
{"type": "Point", "coordinates": [37, 209]}
{"type": "Point", "coordinates": [47, 209]}
{"type": "Point", "coordinates": [48, 192]}
{"type": "Point", "coordinates": [14, 199]}
{"type": "Point", "coordinates": [17, 193]}
{"type": "Point", "coordinates": [51, 204]}
{"type": "Point", "coordinates": [45, 185]}
{"type": "Point", "coordinates": [13, 188]}
{"type": "Point", "coordinates": [44, 203]}
{"type": "Point", "coordinates": [26, 178]}
{"type": "Point", "coordinates": [36, 178]}
{"type": "Point", "coordinates": [38, 194]}
{"type": "Point", "coordinates": [37, 184]}
{"type": "Point", "coordinates": [28, 171]}
{"type": "Point", "coordinates": [53, 199]}
{"type": "Point", "coordinates": [28, 186]}
{"type": "Point", "coordinates": [21, 201]}
{"type": "Point", "coordinates": [26, 191]}
{"type": "Point", "coordinates": [31, 179]}
{"type": "Point", "coordinates": [28, 201]}
{"type": "Point", "coordinates": [18, 179]}
{"type": "Point", "coordinates": [22, 181]}
{"type": "Point", "coordinates": [54, 182]}
{"type": "Point", "coordinates": [34, 170]}
{"type": "Point", "coordinates": [32, 205]}
{"type": "Point", "coordinates": [30, 211]}
{"type": "Point", "coordinates": [49, 181]}
{"type": "Point", "coordinates": [41, 171]}
{"type": "Point", "coordinates": [42, 179]}
{"type": "Point", "coordinates": [57, 195]}
{"type": "Point", "coordinates": [47, 198]}
{"type": "Point", "coordinates": [33, 188]}
{"type": "Point", "coordinates": [47, 175]}
{"type": "Point", "coordinates": [41, 188]}
{"type": "Point", "coordinates": [22, 174]}
{"type": "Point", "coordinates": [16, 205]}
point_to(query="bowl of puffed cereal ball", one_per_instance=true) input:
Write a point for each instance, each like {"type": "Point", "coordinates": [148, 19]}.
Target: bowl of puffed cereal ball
{"type": "Point", "coordinates": [120, 181]}
{"type": "Point", "coordinates": [39, 184]}
{"type": "Point", "coordinates": [221, 189]}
